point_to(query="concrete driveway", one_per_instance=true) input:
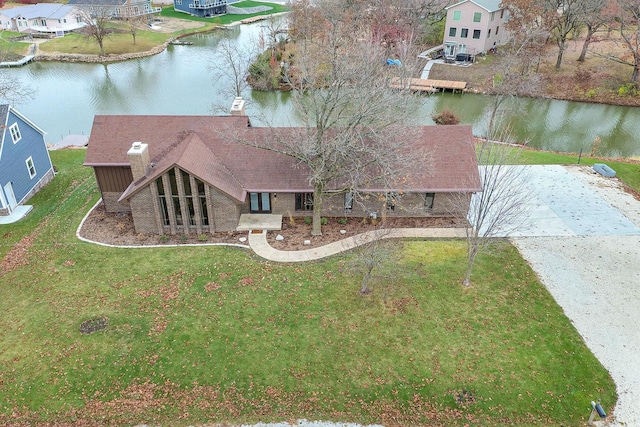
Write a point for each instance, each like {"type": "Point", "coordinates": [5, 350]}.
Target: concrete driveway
{"type": "Point", "coordinates": [582, 237]}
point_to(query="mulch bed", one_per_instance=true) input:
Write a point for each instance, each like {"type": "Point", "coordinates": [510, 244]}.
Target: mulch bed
{"type": "Point", "coordinates": [117, 229]}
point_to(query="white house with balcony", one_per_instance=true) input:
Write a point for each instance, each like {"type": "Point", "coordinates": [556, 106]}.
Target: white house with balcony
{"type": "Point", "coordinates": [474, 27]}
{"type": "Point", "coordinates": [41, 18]}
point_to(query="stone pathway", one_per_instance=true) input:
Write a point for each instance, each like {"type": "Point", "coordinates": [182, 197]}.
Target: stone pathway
{"type": "Point", "coordinates": [259, 244]}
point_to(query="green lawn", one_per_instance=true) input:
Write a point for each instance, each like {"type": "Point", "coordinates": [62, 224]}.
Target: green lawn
{"type": "Point", "coordinates": [122, 43]}
{"type": "Point", "coordinates": [12, 50]}
{"type": "Point", "coordinates": [229, 17]}
{"type": "Point", "coordinates": [215, 334]}
{"type": "Point", "coordinates": [627, 171]}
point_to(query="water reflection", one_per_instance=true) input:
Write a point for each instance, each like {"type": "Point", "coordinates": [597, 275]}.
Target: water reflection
{"type": "Point", "coordinates": [180, 81]}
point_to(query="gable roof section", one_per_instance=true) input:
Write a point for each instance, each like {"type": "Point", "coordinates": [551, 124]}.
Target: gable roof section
{"type": "Point", "coordinates": [39, 10]}
{"type": "Point", "coordinates": [5, 109]}
{"type": "Point", "coordinates": [196, 145]}
{"type": "Point", "coordinates": [103, 3]}
{"type": "Point", "coordinates": [194, 157]}
{"type": "Point", "coordinates": [488, 5]}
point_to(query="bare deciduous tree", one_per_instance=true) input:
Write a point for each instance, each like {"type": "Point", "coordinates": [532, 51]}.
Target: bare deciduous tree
{"type": "Point", "coordinates": [12, 90]}
{"type": "Point", "coordinates": [233, 64]}
{"type": "Point", "coordinates": [96, 19]}
{"type": "Point", "coordinates": [629, 27]}
{"type": "Point", "coordinates": [498, 210]}
{"type": "Point", "coordinates": [597, 13]}
{"type": "Point", "coordinates": [374, 252]}
{"type": "Point", "coordinates": [134, 23]}
{"type": "Point", "coordinates": [352, 134]}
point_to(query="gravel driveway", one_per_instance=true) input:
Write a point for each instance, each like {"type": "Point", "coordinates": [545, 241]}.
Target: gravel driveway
{"type": "Point", "coordinates": [583, 241]}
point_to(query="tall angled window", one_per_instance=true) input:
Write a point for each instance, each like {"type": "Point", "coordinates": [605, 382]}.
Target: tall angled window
{"type": "Point", "coordinates": [186, 183]}
{"type": "Point", "coordinates": [163, 202]}
{"type": "Point", "coordinates": [202, 197]}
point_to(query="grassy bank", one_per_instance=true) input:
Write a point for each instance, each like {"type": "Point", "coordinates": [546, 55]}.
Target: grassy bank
{"type": "Point", "coordinates": [228, 18]}
{"type": "Point", "coordinates": [121, 42]}
{"type": "Point", "coordinates": [627, 171]}
{"type": "Point", "coordinates": [214, 334]}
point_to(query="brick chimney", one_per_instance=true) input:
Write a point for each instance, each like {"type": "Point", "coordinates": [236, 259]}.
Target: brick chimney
{"type": "Point", "coordinates": [139, 159]}
{"type": "Point", "coordinates": [237, 108]}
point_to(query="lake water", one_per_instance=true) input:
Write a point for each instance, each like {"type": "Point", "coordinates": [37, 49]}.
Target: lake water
{"type": "Point", "coordinates": [180, 81]}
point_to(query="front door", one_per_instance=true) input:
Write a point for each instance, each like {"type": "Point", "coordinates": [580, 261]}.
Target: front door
{"type": "Point", "coordinates": [260, 202]}
{"type": "Point", "coordinates": [11, 198]}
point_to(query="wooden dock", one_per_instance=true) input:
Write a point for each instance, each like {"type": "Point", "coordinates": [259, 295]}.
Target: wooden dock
{"type": "Point", "coordinates": [429, 85]}
{"type": "Point", "coordinates": [253, 19]}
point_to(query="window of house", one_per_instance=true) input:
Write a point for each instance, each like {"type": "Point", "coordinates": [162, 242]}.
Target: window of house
{"type": "Point", "coordinates": [489, 33]}
{"type": "Point", "coordinates": [502, 14]}
{"type": "Point", "coordinates": [179, 2]}
{"type": "Point", "coordinates": [163, 201]}
{"type": "Point", "coordinates": [457, 14]}
{"type": "Point", "coordinates": [497, 28]}
{"type": "Point", "coordinates": [31, 167]}
{"type": "Point", "coordinates": [476, 34]}
{"type": "Point", "coordinates": [260, 202]}
{"type": "Point", "coordinates": [493, 15]}
{"type": "Point", "coordinates": [189, 196]}
{"type": "Point", "coordinates": [202, 197]}
{"type": "Point", "coordinates": [15, 133]}
{"type": "Point", "coordinates": [390, 201]}
{"type": "Point", "coordinates": [464, 33]}
{"type": "Point", "coordinates": [452, 31]}
{"type": "Point", "coordinates": [477, 16]}
{"type": "Point", "coordinates": [304, 201]}
{"type": "Point", "coordinates": [428, 200]}
{"type": "Point", "coordinates": [175, 197]}
{"type": "Point", "coordinates": [348, 201]}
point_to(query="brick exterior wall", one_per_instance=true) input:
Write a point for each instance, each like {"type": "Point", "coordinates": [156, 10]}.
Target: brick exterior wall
{"type": "Point", "coordinates": [144, 212]}
{"type": "Point", "coordinates": [225, 209]}
{"type": "Point", "coordinates": [111, 204]}
{"type": "Point", "coordinates": [407, 205]}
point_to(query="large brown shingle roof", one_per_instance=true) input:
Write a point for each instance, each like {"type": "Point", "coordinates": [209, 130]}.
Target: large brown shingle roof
{"type": "Point", "coordinates": [196, 144]}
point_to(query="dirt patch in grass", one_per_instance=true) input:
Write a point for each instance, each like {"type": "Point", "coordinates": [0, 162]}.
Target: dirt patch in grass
{"type": "Point", "coordinates": [18, 254]}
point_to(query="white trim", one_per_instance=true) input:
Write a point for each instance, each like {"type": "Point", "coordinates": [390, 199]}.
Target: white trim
{"type": "Point", "coordinates": [3, 203]}
{"type": "Point", "coordinates": [10, 195]}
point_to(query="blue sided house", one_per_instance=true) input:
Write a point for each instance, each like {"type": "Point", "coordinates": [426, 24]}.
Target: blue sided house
{"type": "Point", "coordinates": [202, 8]}
{"type": "Point", "coordinates": [25, 165]}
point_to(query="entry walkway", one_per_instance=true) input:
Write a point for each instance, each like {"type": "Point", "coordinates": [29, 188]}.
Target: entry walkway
{"type": "Point", "coordinates": [259, 244]}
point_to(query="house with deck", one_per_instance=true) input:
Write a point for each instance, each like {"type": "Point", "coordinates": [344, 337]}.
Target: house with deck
{"type": "Point", "coordinates": [181, 175]}
{"type": "Point", "coordinates": [117, 9]}
{"type": "Point", "coordinates": [202, 8]}
{"type": "Point", "coordinates": [474, 27]}
{"type": "Point", "coordinates": [25, 165]}
{"type": "Point", "coordinates": [52, 18]}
